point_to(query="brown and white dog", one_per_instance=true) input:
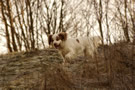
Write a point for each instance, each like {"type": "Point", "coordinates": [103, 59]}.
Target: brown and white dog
{"type": "Point", "coordinates": [69, 48]}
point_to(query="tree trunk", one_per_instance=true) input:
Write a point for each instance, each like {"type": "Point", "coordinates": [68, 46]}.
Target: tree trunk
{"type": "Point", "coordinates": [125, 27]}
{"type": "Point", "coordinates": [6, 27]}
{"type": "Point", "coordinates": [12, 26]}
{"type": "Point", "coordinates": [100, 21]}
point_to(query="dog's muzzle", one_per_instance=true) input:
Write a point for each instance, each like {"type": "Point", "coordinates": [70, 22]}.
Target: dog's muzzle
{"type": "Point", "coordinates": [56, 45]}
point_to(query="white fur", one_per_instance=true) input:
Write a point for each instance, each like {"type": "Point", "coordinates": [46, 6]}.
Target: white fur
{"type": "Point", "coordinates": [72, 47]}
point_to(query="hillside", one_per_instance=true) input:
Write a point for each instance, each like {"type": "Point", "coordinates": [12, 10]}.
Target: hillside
{"type": "Point", "coordinates": [112, 68]}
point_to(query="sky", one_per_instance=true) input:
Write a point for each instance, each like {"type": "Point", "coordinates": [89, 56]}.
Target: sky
{"type": "Point", "coordinates": [3, 48]}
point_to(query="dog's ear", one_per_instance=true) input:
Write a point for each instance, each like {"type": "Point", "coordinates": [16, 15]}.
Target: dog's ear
{"type": "Point", "coordinates": [50, 40]}
{"type": "Point", "coordinates": [63, 36]}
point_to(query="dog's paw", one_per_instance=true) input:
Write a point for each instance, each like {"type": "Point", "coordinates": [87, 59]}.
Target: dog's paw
{"type": "Point", "coordinates": [69, 56]}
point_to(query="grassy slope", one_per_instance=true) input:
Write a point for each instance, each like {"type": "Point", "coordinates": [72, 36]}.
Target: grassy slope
{"type": "Point", "coordinates": [112, 67]}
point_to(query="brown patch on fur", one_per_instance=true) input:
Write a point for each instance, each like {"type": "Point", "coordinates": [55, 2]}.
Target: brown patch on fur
{"type": "Point", "coordinates": [57, 38]}
{"type": "Point", "coordinates": [63, 36]}
{"type": "Point", "coordinates": [78, 40]}
{"type": "Point", "coordinates": [50, 40]}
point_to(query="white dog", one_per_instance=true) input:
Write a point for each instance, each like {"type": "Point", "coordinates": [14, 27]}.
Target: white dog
{"type": "Point", "coordinates": [71, 47]}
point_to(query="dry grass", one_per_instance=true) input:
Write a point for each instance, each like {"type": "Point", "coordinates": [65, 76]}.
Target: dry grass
{"type": "Point", "coordinates": [111, 68]}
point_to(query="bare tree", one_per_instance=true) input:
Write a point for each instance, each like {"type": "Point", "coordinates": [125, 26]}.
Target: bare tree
{"type": "Point", "coordinates": [99, 15]}
{"type": "Point", "coordinates": [33, 19]}
{"type": "Point", "coordinates": [31, 27]}
{"type": "Point", "coordinates": [23, 36]}
{"type": "Point", "coordinates": [61, 16]}
{"type": "Point", "coordinates": [131, 6]}
{"type": "Point", "coordinates": [107, 23]}
{"type": "Point", "coordinates": [12, 28]}
{"type": "Point", "coordinates": [6, 26]}
{"type": "Point", "coordinates": [123, 19]}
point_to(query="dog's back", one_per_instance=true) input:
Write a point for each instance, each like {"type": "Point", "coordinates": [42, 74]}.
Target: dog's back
{"type": "Point", "coordinates": [89, 44]}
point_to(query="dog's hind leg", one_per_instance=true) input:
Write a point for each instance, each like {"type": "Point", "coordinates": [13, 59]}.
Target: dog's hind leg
{"type": "Point", "coordinates": [88, 54]}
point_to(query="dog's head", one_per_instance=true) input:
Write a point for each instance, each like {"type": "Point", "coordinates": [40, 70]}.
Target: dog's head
{"type": "Point", "coordinates": [57, 39]}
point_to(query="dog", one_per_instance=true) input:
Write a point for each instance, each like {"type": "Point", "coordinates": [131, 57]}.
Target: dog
{"type": "Point", "coordinates": [69, 48]}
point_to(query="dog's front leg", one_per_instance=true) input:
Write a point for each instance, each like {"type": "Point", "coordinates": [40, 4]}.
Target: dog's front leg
{"type": "Point", "coordinates": [63, 58]}
{"type": "Point", "coordinates": [69, 56]}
